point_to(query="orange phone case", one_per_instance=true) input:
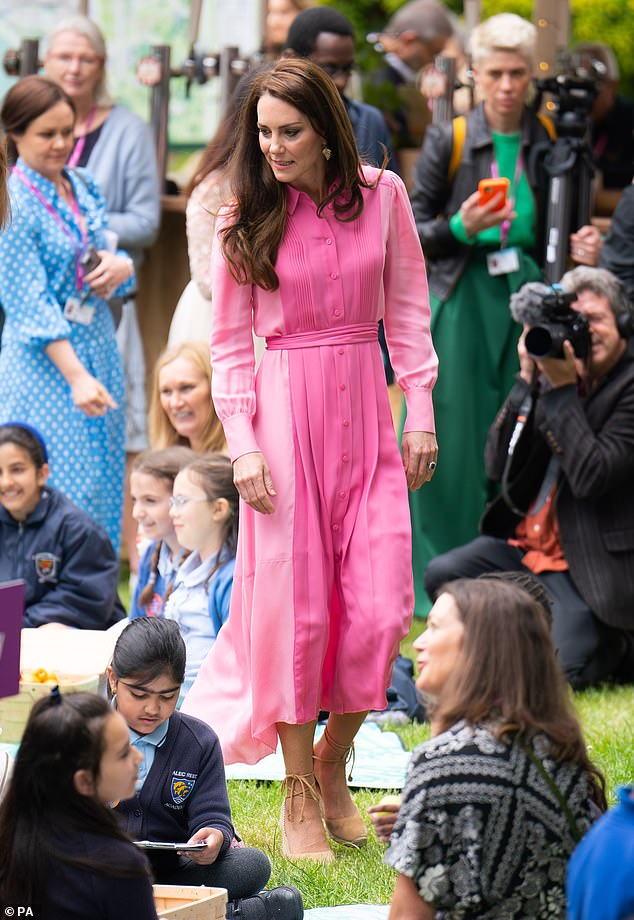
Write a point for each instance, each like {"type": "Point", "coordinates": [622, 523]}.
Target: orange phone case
{"type": "Point", "coordinates": [488, 188]}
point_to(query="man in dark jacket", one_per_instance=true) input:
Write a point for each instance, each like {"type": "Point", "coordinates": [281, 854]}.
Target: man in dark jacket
{"type": "Point", "coordinates": [567, 514]}
{"type": "Point", "coordinates": [326, 37]}
{"type": "Point", "coordinates": [68, 564]}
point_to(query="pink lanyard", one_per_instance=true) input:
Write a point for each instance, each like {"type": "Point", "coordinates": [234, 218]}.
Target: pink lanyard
{"type": "Point", "coordinates": [495, 173]}
{"type": "Point", "coordinates": [79, 273]}
{"type": "Point", "coordinates": [76, 153]}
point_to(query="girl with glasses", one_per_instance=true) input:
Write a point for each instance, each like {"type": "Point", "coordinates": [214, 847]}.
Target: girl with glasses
{"type": "Point", "coordinates": [204, 513]}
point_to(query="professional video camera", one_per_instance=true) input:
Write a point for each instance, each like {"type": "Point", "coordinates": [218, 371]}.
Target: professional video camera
{"type": "Point", "coordinates": [551, 320]}
{"type": "Point", "coordinates": [573, 97]}
{"type": "Point", "coordinates": [568, 161]}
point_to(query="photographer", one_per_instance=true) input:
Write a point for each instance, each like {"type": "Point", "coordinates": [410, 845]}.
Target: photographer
{"type": "Point", "coordinates": [566, 431]}
{"type": "Point", "coordinates": [477, 254]}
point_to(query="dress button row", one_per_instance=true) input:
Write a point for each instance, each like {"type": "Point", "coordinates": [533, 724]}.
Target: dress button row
{"type": "Point", "coordinates": [334, 276]}
{"type": "Point", "coordinates": [335, 527]}
{"type": "Point", "coordinates": [336, 312]}
{"type": "Point", "coordinates": [328, 241]}
{"type": "Point", "coordinates": [346, 423]}
{"type": "Point", "coordinates": [342, 386]}
{"type": "Point", "coordinates": [345, 458]}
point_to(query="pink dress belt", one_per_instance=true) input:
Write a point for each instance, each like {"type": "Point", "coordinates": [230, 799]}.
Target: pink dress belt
{"type": "Point", "coordinates": [351, 334]}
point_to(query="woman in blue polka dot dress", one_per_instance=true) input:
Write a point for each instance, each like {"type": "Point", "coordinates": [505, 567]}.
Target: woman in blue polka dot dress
{"type": "Point", "coordinates": [59, 365]}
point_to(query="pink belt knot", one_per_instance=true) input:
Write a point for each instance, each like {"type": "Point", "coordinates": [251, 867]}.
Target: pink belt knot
{"type": "Point", "coordinates": [351, 334]}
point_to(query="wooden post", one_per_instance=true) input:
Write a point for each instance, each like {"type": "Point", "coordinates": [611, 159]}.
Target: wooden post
{"type": "Point", "coordinates": [159, 108]}
{"type": "Point", "coordinates": [552, 18]}
{"type": "Point", "coordinates": [472, 11]}
{"type": "Point", "coordinates": [29, 56]}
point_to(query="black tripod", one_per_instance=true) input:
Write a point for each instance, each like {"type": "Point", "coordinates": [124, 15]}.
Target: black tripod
{"type": "Point", "coordinates": [567, 163]}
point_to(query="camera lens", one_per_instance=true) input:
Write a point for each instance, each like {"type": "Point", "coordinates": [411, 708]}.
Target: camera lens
{"type": "Point", "coordinates": [539, 342]}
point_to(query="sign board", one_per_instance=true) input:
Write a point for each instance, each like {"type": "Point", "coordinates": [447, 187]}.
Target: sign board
{"type": "Point", "coordinates": [11, 616]}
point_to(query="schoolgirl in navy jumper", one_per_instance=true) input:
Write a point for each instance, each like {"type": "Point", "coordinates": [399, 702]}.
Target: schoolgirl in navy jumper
{"type": "Point", "coordinates": [204, 510]}
{"type": "Point", "coordinates": [67, 562]}
{"type": "Point", "coordinates": [63, 851]}
{"type": "Point", "coordinates": [181, 793]}
{"type": "Point", "coordinates": [151, 482]}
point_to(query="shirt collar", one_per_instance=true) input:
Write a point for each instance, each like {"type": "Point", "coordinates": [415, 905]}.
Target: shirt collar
{"type": "Point", "coordinates": [167, 565]}
{"type": "Point", "coordinates": [36, 178]}
{"type": "Point", "coordinates": [155, 738]}
{"type": "Point", "coordinates": [292, 197]}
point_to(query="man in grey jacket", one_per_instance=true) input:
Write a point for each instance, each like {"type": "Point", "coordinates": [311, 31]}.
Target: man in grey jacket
{"type": "Point", "coordinates": [566, 433]}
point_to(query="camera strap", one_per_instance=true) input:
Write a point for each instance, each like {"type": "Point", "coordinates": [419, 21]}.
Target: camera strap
{"type": "Point", "coordinates": [552, 470]}
{"type": "Point", "coordinates": [520, 422]}
{"type": "Point", "coordinates": [61, 223]}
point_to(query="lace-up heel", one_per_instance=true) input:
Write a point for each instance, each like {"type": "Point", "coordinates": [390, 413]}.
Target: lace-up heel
{"type": "Point", "coordinates": [303, 835]}
{"type": "Point", "coordinates": [348, 829]}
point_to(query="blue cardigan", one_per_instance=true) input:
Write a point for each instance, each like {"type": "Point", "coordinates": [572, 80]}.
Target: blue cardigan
{"type": "Point", "coordinates": [155, 606]}
{"type": "Point", "coordinates": [124, 164]}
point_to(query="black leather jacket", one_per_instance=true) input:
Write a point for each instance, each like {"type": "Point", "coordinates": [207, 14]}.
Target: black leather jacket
{"type": "Point", "coordinates": [435, 200]}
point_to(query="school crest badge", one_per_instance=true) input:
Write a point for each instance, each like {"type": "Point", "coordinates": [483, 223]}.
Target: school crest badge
{"type": "Point", "coordinates": [180, 789]}
{"type": "Point", "coordinates": [46, 565]}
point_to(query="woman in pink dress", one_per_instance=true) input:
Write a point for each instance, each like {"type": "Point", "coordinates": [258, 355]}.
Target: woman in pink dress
{"type": "Point", "coordinates": [314, 251]}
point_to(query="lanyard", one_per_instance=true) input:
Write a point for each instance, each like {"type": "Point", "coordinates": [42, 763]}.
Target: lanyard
{"type": "Point", "coordinates": [495, 173]}
{"type": "Point", "coordinates": [77, 151]}
{"type": "Point", "coordinates": [79, 272]}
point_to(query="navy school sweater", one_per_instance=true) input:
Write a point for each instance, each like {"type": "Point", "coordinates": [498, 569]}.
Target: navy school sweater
{"type": "Point", "coordinates": [185, 789]}
{"type": "Point", "coordinates": [69, 566]}
{"type": "Point", "coordinates": [77, 893]}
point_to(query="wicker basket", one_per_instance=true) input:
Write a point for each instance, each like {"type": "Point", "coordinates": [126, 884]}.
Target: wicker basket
{"type": "Point", "coordinates": [188, 902]}
{"type": "Point", "coordinates": [14, 710]}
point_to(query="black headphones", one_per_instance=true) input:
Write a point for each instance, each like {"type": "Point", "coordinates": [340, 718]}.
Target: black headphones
{"type": "Point", "coordinates": [625, 321]}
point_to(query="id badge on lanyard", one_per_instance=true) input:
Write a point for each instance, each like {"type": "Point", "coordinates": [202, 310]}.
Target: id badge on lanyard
{"type": "Point", "coordinates": [507, 258]}
{"type": "Point", "coordinates": [74, 310]}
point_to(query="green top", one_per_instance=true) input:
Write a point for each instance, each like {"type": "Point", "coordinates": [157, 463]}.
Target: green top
{"type": "Point", "coordinates": [522, 232]}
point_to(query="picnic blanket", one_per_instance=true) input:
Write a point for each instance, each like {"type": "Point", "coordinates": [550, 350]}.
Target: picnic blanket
{"type": "Point", "coordinates": [380, 761]}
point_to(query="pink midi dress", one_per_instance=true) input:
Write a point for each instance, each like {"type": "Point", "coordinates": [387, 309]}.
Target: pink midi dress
{"type": "Point", "coordinates": [322, 591]}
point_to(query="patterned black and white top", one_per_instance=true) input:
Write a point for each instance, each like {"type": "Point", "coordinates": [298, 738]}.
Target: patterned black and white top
{"type": "Point", "coordinates": [481, 832]}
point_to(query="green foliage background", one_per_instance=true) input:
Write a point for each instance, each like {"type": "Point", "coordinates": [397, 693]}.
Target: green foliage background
{"type": "Point", "coordinates": [605, 21]}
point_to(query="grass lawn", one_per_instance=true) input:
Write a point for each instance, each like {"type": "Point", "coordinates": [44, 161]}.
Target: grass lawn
{"type": "Point", "coordinates": [359, 876]}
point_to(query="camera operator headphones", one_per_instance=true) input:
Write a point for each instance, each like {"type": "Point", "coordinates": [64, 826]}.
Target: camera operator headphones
{"type": "Point", "coordinates": [625, 316]}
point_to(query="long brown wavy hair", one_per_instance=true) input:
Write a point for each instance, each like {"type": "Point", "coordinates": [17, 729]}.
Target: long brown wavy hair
{"type": "Point", "coordinates": [162, 432]}
{"type": "Point", "coordinates": [258, 215]}
{"type": "Point", "coordinates": [508, 676]}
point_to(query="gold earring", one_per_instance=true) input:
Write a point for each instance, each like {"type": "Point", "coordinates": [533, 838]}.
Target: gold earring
{"type": "Point", "coordinates": [326, 152]}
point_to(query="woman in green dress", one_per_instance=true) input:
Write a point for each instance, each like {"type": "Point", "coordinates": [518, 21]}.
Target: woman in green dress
{"type": "Point", "coordinates": [477, 256]}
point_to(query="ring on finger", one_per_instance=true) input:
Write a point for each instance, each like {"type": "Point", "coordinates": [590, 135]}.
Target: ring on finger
{"type": "Point", "coordinates": [431, 466]}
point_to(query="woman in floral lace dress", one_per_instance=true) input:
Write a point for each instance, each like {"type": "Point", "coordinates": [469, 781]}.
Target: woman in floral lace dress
{"type": "Point", "coordinates": [496, 801]}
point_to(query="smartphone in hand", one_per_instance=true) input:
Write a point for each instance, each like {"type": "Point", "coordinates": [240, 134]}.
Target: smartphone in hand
{"type": "Point", "coordinates": [489, 188]}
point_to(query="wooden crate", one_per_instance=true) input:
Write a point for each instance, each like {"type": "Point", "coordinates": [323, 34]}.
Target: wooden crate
{"type": "Point", "coordinates": [189, 902]}
{"type": "Point", "coordinates": [14, 710]}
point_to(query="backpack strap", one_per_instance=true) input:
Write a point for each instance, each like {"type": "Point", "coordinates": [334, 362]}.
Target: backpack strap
{"type": "Point", "coordinates": [459, 133]}
{"type": "Point", "coordinates": [548, 125]}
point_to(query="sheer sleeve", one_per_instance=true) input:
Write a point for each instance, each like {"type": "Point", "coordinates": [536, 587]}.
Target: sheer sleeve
{"type": "Point", "coordinates": [407, 313]}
